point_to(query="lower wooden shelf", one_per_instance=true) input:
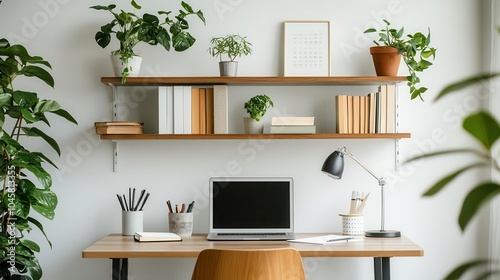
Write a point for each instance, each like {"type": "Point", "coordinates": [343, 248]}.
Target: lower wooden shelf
{"type": "Point", "coordinates": [252, 136]}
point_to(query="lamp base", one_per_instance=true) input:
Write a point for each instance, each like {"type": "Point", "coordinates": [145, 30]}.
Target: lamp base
{"type": "Point", "coordinates": [383, 233]}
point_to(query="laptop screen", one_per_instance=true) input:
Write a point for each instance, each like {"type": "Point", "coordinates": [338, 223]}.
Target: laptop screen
{"type": "Point", "coordinates": [251, 203]}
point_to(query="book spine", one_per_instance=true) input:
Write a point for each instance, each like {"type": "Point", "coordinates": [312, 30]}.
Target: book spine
{"type": "Point", "coordinates": [221, 109]}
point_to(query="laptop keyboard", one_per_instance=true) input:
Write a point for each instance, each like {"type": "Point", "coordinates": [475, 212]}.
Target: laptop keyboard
{"type": "Point", "coordinates": [253, 234]}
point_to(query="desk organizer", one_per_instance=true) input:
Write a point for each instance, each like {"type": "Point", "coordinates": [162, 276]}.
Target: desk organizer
{"type": "Point", "coordinates": [352, 224]}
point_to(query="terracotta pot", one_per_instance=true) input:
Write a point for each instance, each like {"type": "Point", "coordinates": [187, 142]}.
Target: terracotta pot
{"type": "Point", "coordinates": [386, 60]}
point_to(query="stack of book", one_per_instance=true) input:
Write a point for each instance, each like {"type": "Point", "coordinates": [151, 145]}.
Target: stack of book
{"type": "Point", "coordinates": [118, 128]}
{"type": "Point", "coordinates": [373, 113]}
{"type": "Point", "coordinates": [292, 125]}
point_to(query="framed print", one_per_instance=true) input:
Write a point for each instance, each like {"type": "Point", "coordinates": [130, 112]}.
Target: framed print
{"type": "Point", "coordinates": [307, 48]}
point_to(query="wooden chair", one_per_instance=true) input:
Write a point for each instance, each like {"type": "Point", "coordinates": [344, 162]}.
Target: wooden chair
{"type": "Point", "coordinates": [259, 264]}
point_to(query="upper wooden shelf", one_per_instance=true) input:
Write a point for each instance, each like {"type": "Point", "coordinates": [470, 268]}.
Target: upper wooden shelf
{"type": "Point", "coordinates": [309, 81]}
{"type": "Point", "coordinates": [252, 136]}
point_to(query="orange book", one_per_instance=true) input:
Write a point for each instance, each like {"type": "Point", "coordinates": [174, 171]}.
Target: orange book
{"type": "Point", "coordinates": [356, 114]}
{"type": "Point", "coordinates": [203, 111]}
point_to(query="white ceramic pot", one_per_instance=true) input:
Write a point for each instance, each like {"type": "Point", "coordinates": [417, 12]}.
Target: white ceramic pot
{"type": "Point", "coordinates": [252, 126]}
{"type": "Point", "coordinates": [134, 65]}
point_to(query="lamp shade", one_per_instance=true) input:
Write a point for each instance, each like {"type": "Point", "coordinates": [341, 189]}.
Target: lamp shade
{"type": "Point", "coordinates": [334, 165]}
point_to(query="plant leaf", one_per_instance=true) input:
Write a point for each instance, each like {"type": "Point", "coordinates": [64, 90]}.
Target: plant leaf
{"type": "Point", "coordinates": [63, 113]}
{"type": "Point", "coordinates": [483, 127]}
{"type": "Point", "coordinates": [447, 179]}
{"type": "Point", "coordinates": [465, 83]}
{"type": "Point", "coordinates": [39, 226]}
{"type": "Point", "coordinates": [33, 131]}
{"type": "Point", "coordinates": [463, 268]}
{"type": "Point", "coordinates": [35, 71]}
{"type": "Point", "coordinates": [476, 198]}
{"type": "Point", "coordinates": [445, 152]}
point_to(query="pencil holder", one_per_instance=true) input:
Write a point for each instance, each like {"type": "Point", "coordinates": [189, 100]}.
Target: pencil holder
{"type": "Point", "coordinates": [352, 224]}
{"type": "Point", "coordinates": [132, 221]}
{"type": "Point", "coordinates": [181, 223]}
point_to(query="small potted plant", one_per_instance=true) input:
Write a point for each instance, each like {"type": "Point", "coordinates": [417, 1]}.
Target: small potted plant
{"type": "Point", "coordinates": [256, 107]}
{"type": "Point", "coordinates": [414, 49]}
{"type": "Point", "coordinates": [230, 46]}
{"type": "Point", "coordinates": [131, 29]}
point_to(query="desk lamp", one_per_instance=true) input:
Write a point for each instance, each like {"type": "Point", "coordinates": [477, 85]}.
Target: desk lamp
{"type": "Point", "coordinates": [334, 167]}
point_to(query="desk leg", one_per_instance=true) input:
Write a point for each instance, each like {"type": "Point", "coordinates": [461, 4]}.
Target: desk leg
{"type": "Point", "coordinates": [119, 271]}
{"type": "Point", "coordinates": [382, 267]}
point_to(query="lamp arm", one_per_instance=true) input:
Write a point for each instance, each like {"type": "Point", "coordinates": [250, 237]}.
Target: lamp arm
{"type": "Point", "coordinates": [381, 180]}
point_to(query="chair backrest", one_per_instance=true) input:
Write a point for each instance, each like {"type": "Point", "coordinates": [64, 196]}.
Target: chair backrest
{"type": "Point", "coordinates": [259, 264]}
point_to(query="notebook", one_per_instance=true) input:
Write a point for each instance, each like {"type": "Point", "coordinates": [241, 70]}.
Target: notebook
{"type": "Point", "coordinates": [251, 208]}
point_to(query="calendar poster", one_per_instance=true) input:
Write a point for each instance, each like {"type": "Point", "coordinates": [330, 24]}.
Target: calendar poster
{"type": "Point", "coordinates": [307, 48]}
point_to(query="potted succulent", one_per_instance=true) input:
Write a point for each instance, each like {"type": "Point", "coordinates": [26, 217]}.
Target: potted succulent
{"type": "Point", "coordinates": [131, 29]}
{"type": "Point", "coordinates": [414, 49]}
{"type": "Point", "coordinates": [230, 46]}
{"type": "Point", "coordinates": [22, 113]}
{"type": "Point", "coordinates": [256, 107]}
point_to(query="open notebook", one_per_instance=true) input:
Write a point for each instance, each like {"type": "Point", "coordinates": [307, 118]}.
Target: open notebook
{"type": "Point", "coordinates": [251, 208]}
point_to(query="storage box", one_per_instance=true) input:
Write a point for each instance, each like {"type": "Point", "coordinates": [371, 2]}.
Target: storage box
{"type": "Point", "coordinates": [119, 128]}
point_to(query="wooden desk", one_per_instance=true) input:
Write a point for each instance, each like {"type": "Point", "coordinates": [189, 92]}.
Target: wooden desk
{"type": "Point", "coordinates": [120, 248]}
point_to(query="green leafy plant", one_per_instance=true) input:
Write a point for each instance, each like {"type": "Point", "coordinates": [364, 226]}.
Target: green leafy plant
{"type": "Point", "coordinates": [131, 29]}
{"type": "Point", "coordinates": [22, 112]}
{"type": "Point", "coordinates": [484, 128]}
{"type": "Point", "coordinates": [230, 45]}
{"type": "Point", "coordinates": [414, 49]}
{"type": "Point", "coordinates": [257, 106]}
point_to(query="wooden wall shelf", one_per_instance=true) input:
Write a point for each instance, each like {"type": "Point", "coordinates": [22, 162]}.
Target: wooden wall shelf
{"type": "Point", "coordinates": [254, 81]}
{"type": "Point", "coordinates": [251, 136]}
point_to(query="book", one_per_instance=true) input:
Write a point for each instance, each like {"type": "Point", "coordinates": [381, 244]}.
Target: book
{"type": "Point", "coordinates": [383, 109]}
{"type": "Point", "coordinates": [327, 239]}
{"type": "Point", "coordinates": [162, 110]}
{"type": "Point", "coordinates": [292, 129]}
{"type": "Point", "coordinates": [372, 112]}
{"type": "Point", "coordinates": [178, 110]}
{"type": "Point", "coordinates": [203, 111]}
{"type": "Point", "coordinates": [186, 119]}
{"type": "Point", "coordinates": [156, 236]}
{"type": "Point", "coordinates": [170, 110]}
{"type": "Point", "coordinates": [391, 109]}
{"type": "Point", "coordinates": [220, 109]}
{"type": "Point", "coordinates": [292, 121]}
{"type": "Point", "coordinates": [119, 128]}
{"type": "Point", "coordinates": [195, 111]}
{"type": "Point", "coordinates": [356, 121]}
{"type": "Point", "coordinates": [341, 113]}
{"type": "Point", "coordinates": [209, 111]}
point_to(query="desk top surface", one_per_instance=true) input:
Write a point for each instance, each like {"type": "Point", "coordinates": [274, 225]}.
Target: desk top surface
{"type": "Point", "coordinates": [118, 246]}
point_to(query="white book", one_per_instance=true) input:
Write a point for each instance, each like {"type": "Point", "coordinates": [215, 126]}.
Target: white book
{"type": "Point", "coordinates": [292, 121]}
{"type": "Point", "coordinates": [187, 110]}
{"type": "Point", "coordinates": [220, 109]}
{"type": "Point", "coordinates": [391, 109]}
{"type": "Point", "coordinates": [170, 110]}
{"type": "Point", "coordinates": [162, 110]}
{"type": "Point", "coordinates": [327, 239]}
{"type": "Point", "coordinates": [156, 236]}
{"type": "Point", "coordinates": [178, 109]}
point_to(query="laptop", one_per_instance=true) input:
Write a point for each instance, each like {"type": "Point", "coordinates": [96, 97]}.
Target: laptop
{"type": "Point", "coordinates": [251, 208]}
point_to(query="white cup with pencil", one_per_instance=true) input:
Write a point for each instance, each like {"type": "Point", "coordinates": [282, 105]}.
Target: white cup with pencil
{"type": "Point", "coordinates": [353, 222]}
{"type": "Point", "coordinates": [132, 214]}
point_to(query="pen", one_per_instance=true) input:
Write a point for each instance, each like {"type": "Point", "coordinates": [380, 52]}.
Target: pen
{"type": "Point", "coordinates": [190, 207]}
{"type": "Point", "coordinates": [169, 206]}
{"type": "Point", "coordinates": [340, 239]}
{"type": "Point", "coordinates": [144, 202]}
{"type": "Point", "coordinates": [121, 202]}
{"type": "Point", "coordinates": [360, 208]}
{"type": "Point", "coordinates": [140, 198]}
{"type": "Point", "coordinates": [352, 209]}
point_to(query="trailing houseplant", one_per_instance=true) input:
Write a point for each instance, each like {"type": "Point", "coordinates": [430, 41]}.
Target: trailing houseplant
{"type": "Point", "coordinates": [21, 116]}
{"type": "Point", "coordinates": [256, 107]}
{"type": "Point", "coordinates": [414, 48]}
{"type": "Point", "coordinates": [131, 29]}
{"type": "Point", "coordinates": [484, 128]}
{"type": "Point", "coordinates": [229, 47]}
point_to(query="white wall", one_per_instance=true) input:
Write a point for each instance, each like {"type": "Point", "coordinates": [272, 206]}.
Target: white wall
{"type": "Point", "coordinates": [62, 32]}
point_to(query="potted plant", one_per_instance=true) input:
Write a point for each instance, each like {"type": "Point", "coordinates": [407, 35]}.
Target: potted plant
{"type": "Point", "coordinates": [131, 29]}
{"type": "Point", "coordinates": [414, 49]}
{"type": "Point", "coordinates": [256, 107]}
{"type": "Point", "coordinates": [22, 113]}
{"type": "Point", "coordinates": [230, 46]}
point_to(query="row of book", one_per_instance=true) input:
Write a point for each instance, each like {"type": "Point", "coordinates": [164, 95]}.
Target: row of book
{"type": "Point", "coordinates": [373, 113]}
{"type": "Point", "coordinates": [192, 110]}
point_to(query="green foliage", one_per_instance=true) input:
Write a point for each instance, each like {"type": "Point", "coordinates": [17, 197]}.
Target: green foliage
{"type": "Point", "coordinates": [231, 45]}
{"type": "Point", "coordinates": [485, 129]}
{"type": "Point", "coordinates": [21, 110]}
{"type": "Point", "coordinates": [257, 106]}
{"type": "Point", "coordinates": [131, 29]}
{"type": "Point", "coordinates": [415, 50]}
